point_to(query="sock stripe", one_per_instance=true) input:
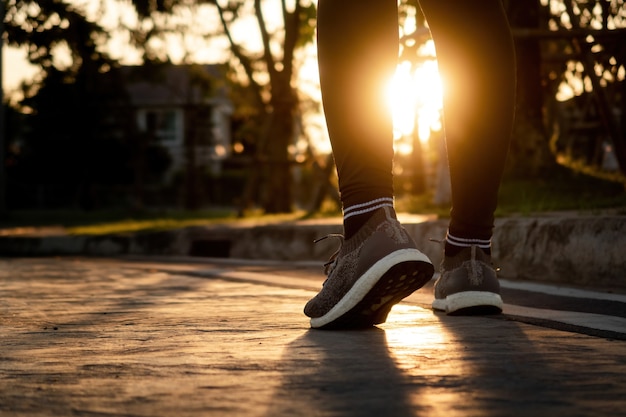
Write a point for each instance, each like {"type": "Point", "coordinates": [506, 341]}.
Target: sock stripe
{"type": "Point", "coordinates": [367, 203]}
{"type": "Point", "coordinates": [367, 207]}
{"type": "Point", "coordinates": [466, 243]}
{"type": "Point", "coordinates": [367, 210]}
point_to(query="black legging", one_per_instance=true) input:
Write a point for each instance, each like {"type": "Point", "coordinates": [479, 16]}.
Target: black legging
{"type": "Point", "coordinates": [357, 52]}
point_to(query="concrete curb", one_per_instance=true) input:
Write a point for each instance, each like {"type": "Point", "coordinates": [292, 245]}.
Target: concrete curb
{"type": "Point", "coordinates": [580, 250]}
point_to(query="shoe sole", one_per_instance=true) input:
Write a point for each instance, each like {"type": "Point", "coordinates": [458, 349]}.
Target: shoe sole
{"type": "Point", "coordinates": [372, 296]}
{"type": "Point", "coordinates": [470, 303]}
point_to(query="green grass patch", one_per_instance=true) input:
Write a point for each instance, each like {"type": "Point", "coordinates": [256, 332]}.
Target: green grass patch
{"type": "Point", "coordinates": [120, 221]}
{"type": "Point", "coordinates": [581, 193]}
{"type": "Point", "coordinates": [133, 225]}
{"type": "Point", "coordinates": [112, 221]}
{"type": "Point", "coordinates": [564, 192]}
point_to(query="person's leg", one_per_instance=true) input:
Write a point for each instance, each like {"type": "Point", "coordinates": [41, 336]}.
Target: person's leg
{"type": "Point", "coordinates": [358, 52]}
{"type": "Point", "coordinates": [377, 264]}
{"type": "Point", "coordinates": [476, 59]}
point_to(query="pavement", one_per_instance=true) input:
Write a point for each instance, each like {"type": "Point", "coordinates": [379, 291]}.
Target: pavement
{"type": "Point", "coordinates": [182, 336]}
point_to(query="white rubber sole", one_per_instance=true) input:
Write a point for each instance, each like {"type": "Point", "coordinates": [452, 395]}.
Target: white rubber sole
{"type": "Point", "coordinates": [367, 281]}
{"type": "Point", "coordinates": [468, 300]}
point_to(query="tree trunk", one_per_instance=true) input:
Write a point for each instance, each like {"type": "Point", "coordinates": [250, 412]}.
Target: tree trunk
{"type": "Point", "coordinates": [529, 154]}
{"type": "Point", "coordinates": [278, 182]}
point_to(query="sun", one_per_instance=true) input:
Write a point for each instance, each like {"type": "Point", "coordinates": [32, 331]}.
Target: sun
{"type": "Point", "coordinates": [414, 95]}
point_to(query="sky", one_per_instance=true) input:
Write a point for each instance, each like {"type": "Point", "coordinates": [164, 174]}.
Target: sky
{"type": "Point", "coordinates": [15, 68]}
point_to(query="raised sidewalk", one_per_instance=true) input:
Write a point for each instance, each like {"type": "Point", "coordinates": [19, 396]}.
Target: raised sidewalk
{"type": "Point", "coordinates": [577, 249]}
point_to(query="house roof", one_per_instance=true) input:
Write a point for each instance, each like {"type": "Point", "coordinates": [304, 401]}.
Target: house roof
{"type": "Point", "coordinates": [175, 85]}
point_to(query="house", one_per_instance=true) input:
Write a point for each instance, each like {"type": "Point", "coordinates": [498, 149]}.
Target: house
{"type": "Point", "coordinates": [187, 109]}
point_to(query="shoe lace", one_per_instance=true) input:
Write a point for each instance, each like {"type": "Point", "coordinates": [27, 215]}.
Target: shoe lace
{"type": "Point", "coordinates": [330, 265]}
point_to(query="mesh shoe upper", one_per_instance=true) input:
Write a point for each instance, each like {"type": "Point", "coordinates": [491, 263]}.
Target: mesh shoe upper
{"type": "Point", "coordinates": [463, 278]}
{"type": "Point", "coordinates": [378, 240]}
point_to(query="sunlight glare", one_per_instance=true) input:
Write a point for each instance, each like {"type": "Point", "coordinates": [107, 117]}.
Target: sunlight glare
{"type": "Point", "coordinates": [412, 332]}
{"type": "Point", "coordinates": [416, 93]}
{"type": "Point", "coordinates": [430, 98]}
{"type": "Point", "coordinates": [401, 97]}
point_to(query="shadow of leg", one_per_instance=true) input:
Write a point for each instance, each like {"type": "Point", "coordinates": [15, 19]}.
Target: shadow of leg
{"type": "Point", "coordinates": [501, 367]}
{"type": "Point", "coordinates": [346, 373]}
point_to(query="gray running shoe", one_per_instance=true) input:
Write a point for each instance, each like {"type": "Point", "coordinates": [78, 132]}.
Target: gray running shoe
{"type": "Point", "coordinates": [370, 273]}
{"type": "Point", "coordinates": [468, 284]}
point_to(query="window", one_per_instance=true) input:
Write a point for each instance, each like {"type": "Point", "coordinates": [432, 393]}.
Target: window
{"type": "Point", "coordinates": [165, 123]}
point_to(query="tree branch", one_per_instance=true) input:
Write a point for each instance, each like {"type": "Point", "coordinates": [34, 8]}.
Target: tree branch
{"type": "Point", "coordinates": [245, 61]}
{"type": "Point", "coordinates": [292, 26]}
{"type": "Point", "coordinates": [265, 37]}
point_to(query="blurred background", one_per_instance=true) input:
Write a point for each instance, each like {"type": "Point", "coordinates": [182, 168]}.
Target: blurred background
{"type": "Point", "coordinates": [212, 107]}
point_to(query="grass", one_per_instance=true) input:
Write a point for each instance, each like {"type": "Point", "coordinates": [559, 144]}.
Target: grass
{"type": "Point", "coordinates": [581, 194]}
{"type": "Point", "coordinates": [578, 194]}
{"type": "Point", "coordinates": [524, 197]}
{"type": "Point", "coordinates": [112, 221]}
{"type": "Point", "coordinates": [134, 225]}
{"type": "Point", "coordinates": [121, 221]}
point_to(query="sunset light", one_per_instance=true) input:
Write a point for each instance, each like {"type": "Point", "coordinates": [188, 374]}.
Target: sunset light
{"type": "Point", "coordinates": [416, 94]}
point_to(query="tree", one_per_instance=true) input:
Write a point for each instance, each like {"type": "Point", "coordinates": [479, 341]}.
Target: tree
{"type": "Point", "coordinates": [80, 132]}
{"type": "Point", "coordinates": [594, 66]}
{"type": "Point", "coordinates": [67, 110]}
{"type": "Point", "coordinates": [270, 76]}
{"type": "Point", "coordinates": [267, 73]}
{"type": "Point", "coordinates": [44, 26]}
{"type": "Point", "coordinates": [530, 154]}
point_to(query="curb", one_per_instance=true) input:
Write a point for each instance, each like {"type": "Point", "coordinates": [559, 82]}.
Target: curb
{"type": "Point", "coordinates": [576, 250]}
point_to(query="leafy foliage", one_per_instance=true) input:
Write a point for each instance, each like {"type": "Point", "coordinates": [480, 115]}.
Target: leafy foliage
{"type": "Point", "coordinates": [46, 25]}
{"type": "Point", "coordinates": [76, 131]}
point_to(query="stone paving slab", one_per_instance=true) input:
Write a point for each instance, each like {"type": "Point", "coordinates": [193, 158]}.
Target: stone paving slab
{"type": "Point", "coordinates": [98, 337]}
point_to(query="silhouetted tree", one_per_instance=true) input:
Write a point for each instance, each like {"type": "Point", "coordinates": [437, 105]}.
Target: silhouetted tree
{"type": "Point", "coordinates": [530, 155]}
{"type": "Point", "coordinates": [79, 131]}
{"type": "Point", "coordinates": [592, 55]}
{"type": "Point", "coordinates": [65, 141]}
{"type": "Point", "coordinates": [276, 99]}
{"type": "Point", "coordinates": [43, 26]}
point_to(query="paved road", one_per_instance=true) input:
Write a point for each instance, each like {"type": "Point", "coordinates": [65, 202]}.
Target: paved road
{"type": "Point", "coordinates": [150, 337]}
